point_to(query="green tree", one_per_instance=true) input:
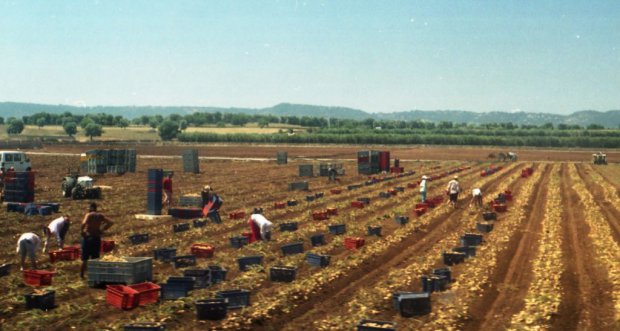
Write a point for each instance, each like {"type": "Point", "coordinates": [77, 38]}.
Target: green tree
{"type": "Point", "coordinates": [15, 126]}
{"type": "Point", "coordinates": [41, 122]}
{"type": "Point", "coordinates": [122, 123]}
{"type": "Point", "coordinates": [263, 122]}
{"type": "Point", "coordinates": [595, 127]}
{"type": "Point", "coordinates": [183, 125]}
{"type": "Point", "coordinates": [93, 130]}
{"type": "Point", "coordinates": [1, 120]}
{"type": "Point", "coordinates": [168, 130]}
{"type": "Point", "coordinates": [70, 128]}
{"type": "Point", "coordinates": [154, 123]}
{"type": "Point", "coordinates": [86, 121]}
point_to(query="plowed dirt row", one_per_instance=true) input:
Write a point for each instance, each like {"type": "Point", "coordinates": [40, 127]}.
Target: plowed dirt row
{"type": "Point", "coordinates": [611, 213]}
{"type": "Point", "coordinates": [333, 299]}
{"type": "Point", "coordinates": [511, 279]}
{"type": "Point", "coordinates": [587, 303]}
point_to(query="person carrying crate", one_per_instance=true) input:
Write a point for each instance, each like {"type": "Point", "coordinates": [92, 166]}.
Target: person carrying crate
{"type": "Point", "coordinates": [28, 244]}
{"type": "Point", "coordinates": [211, 203]}
{"type": "Point", "coordinates": [59, 228]}
{"type": "Point", "coordinates": [260, 226]}
{"type": "Point", "coordinates": [93, 225]}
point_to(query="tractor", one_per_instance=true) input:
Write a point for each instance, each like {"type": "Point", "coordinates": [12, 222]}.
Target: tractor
{"type": "Point", "coordinates": [599, 158]}
{"type": "Point", "coordinates": [510, 156]}
{"type": "Point", "coordinates": [79, 187]}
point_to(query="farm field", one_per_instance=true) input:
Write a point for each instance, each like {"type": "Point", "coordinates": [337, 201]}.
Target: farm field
{"type": "Point", "coordinates": [552, 260]}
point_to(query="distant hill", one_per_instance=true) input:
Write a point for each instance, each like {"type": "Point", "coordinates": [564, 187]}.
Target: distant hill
{"type": "Point", "coordinates": [609, 118]}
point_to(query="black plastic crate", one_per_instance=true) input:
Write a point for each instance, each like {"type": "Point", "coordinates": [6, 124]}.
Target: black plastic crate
{"type": "Point", "coordinates": [374, 230]}
{"type": "Point", "coordinates": [310, 198]}
{"type": "Point", "coordinates": [337, 229]}
{"type": "Point", "coordinates": [173, 291]}
{"type": "Point", "coordinates": [291, 203]}
{"type": "Point", "coordinates": [468, 250]}
{"type": "Point", "coordinates": [139, 238]}
{"type": "Point", "coordinates": [471, 239]}
{"type": "Point", "coordinates": [434, 283]}
{"type": "Point", "coordinates": [371, 325]}
{"type": "Point", "coordinates": [164, 254]}
{"type": "Point", "coordinates": [452, 258]}
{"type": "Point", "coordinates": [144, 326]}
{"type": "Point", "coordinates": [385, 195]}
{"type": "Point", "coordinates": [366, 201]}
{"type": "Point", "coordinates": [43, 301]}
{"type": "Point", "coordinates": [282, 274]}
{"type": "Point", "coordinates": [446, 272]}
{"type": "Point", "coordinates": [184, 261]}
{"type": "Point", "coordinates": [180, 227]}
{"type": "Point", "coordinates": [5, 269]}
{"type": "Point", "coordinates": [290, 226]}
{"type": "Point", "coordinates": [247, 261]}
{"type": "Point", "coordinates": [484, 227]}
{"type": "Point", "coordinates": [400, 219]}
{"type": "Point", "coordinates": [317, 239]}
{"type": "Point", "coordinates": [319, 195]}
{"type": "Point", "coordinates": [414, 304]}
{"type": "Point", "coordinates": [211, 309]}
{"type": "Point", "coordinates": [202, 277]}
{"type": "Point", "coordinates": [185, 282]}
{"type": "Point", "coordinates": [489, 216]}
{"type": "Point", "coordinates": [318, 260]}
{"type": "Point", "coordinates": [199, 223]}
{"type": "Point", "coordinates": [218, 274]}
{"type": "Point", "coordinates": [236, 298]}
{"type": "Point", "coordinates": [293, 248]}
{"type": "Point", "coordinates": [238, 241]}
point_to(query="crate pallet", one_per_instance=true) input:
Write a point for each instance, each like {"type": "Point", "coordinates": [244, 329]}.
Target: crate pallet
{"type": "Point", "coordinates": [164, 254]}
{"type": "Point", "coordinates": [236, 298]}
{"type": "Point", "coordinates": [43, 301]}
{"type": "Point", "coordinates": [131, 270]}
{"type": "Point", "coordinates": [353, 242]}
{"type": "Point", "coordinates": [247, 261]}
{"type": "Point", "coordinates": [211, 309]}
{"type": "Point", "coordinates": [294, 248]}
{"type": "Point", "coordinates": [38, 277]}
{"type": "Point", "coordinates": [202, 250]}
{"type": "Point", "coordinates": [282, 274]}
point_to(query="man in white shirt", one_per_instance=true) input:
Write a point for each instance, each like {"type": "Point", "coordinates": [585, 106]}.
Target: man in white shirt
{"type": "Point", "coordinates": [423, 188]}
{"type": "Point", "coordinates": [59, 228]}
{"type": "Point", "coordinates": [259, 222]}
{"type": "Point", "coordinates": [27, 244]}
{"type": "Point", "coordinates": [453, 190]}
{"type": "Point", "coordinates": [476, 197]}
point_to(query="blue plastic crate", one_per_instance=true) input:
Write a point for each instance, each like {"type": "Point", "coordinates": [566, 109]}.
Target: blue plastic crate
{"type": "Point", "coordinates": [202, 277]}
{"type": "Point", "coordinates": [291, 203]}
{"type": "Point", "coordinates": [364, 200]}
{"type": "Point", "coordinates": [452, 258]}
{"type": "Point", "coordinates": [489, 216]}
{"type": "Point", "coordinates": [374, 230]}
{"type": "Point", "coordinates": [471, 239]}
{"type": "Point", "coordinates": [414, 304]}
{"type": "Point", "coordinates": [139, 238]}
{"type": "Point", "coordinates": [400, 219]}
{"type": "Point", "coordinates": [485, 227]}
{"type": "Point", "coordinates": [317, 239]}
{"type": "Point", "coordinates": [165, 254]}
{"type": "Point", "coordinates": [211, 309]}
{"type": "Point", "coordinates": [218, 274]}
{"type": "Point", "coordinates": [294, 248]}
{"type": "Point", "coordinates": [317, 260]}
{"type": "Point", "coordinates": [43, 301]}
{"type": "Point", "coordinates": [434, 283]}
{"type": "Point", "coordinates": [236, 298]}
{"type": "Point", "coordinates": [238, 242]}
{"type": "Point", "coordinates": [337, 229]}
{"type": "Point", "coordinates": [186, 282]}
{"type": "Point", "coordinates": [247, 261]}
{"type": "Point", "coordinates": [310, 198]}
{"type": "Point", "coordinates": [173, 291]}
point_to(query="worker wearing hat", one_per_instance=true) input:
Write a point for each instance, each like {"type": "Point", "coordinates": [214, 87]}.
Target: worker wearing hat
{"type": "Point", "coordinates": [453, 190]}
{"type": "Point", "coordinates": [423, 188]}
{"type": "Point", "coordinates": [211, 203]}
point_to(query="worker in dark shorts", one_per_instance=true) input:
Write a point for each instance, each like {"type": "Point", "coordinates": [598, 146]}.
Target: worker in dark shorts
{"type": "Point", "coordinates": [93, 225]}
{"type": "Point", "coordinates": [453, 189]}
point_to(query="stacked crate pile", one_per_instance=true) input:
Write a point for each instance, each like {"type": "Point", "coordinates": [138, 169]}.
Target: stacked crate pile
{"type": "Point", "coordinates": [190, 161]}
{"type": "Point", "coordinates": [19, 187]}
{"type": "Point", "coordinates": [154, 192]}
{"type": "Point", "coordinates": [368, 162]}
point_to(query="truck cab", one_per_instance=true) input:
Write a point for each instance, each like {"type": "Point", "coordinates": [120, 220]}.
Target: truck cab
{"type": "Point", "coordinates": [15, 159]}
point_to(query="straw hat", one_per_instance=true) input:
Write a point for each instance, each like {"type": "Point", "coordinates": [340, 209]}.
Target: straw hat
{"type": "Point", "coordinates": [424, 177]}
{"type": "Point", "coordinates": [456, 177]}
{"type": "Point", "coordinates": [206, 188]}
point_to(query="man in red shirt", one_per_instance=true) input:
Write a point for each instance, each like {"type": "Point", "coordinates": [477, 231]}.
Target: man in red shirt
{"type": "Point", "coordinates": [167, 187]}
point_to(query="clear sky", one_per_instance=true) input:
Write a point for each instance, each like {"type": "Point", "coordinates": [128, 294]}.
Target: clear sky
{"type": "Point", "coordinates": [378, 56]}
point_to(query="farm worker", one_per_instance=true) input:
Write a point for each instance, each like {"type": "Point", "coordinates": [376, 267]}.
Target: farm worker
{"type": "Point", "coordinates": [167, 187]}
{"type": "Point", "coordinates": [59, 228]}
{"type": "Point", "coordinates": [260, 226]}
{"type": "Point", "coordinates": [453, 190]}
{"type": "Point", "coordinates": [93, 225]}
{"type": "Point", "coordinates": [423, 188]}
{"type": "Point", "coordinates": [331, 172]}
{"type": "Point", "coordinates": [27, 244]}
{"type": "Point", "coordinates": [211, 203]}
{"type": "Point", "coordinates": [476, 197]}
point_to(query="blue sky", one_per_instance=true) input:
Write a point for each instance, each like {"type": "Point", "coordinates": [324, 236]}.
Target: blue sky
{"type": "Point", "coordinates": [378, 56]}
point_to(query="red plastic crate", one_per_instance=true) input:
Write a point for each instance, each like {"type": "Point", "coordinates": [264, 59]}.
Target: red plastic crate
{"type": "Point", "coordinates": [392, 191]}
{"type": "Point", "coordinates": [202, 250]}
{"type": "Point", "coordinates": [67, 254]}
{"type": "Point", "coordinates": [279, 205]}
{"type": "Point", "coordinates": [353, 242]}
{"type": "Point", "coordinates": [397, 170]}
{"type": "Point", "coordinates": [412, 185]}
{"type": "Point", "coordinates": [508, 192]}
{"type": "Point", "coordinates": [147, 292]}
{"type": "Point", "coordinates": [332, 211]}
{"type": "Point", "coordinates": [107, 246]}
{"type": "Point", "coordinates": [335, 191]}
{"type": "Point", "coordinates": [420, 211]}
{"type": "Point", "coordinates": [357, 204]}
{"type": "Point", "coordinates": [236, 214]}
{"type": "Point", "coordinates": [38, 277]}
{"type": "Point", "coordinates": [319, 215]}
{"type": "Point", "coordinates": [121, 297]}
{"type": "Point", "coordinates": [500, 208]}
{"type": "Point", "coordinates": [421, 205]}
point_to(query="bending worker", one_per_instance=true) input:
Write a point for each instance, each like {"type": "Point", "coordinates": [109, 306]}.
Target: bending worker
{"type": "Point", "coordinates": [28, 244]}
{"type": "Point", "coordinates": [453, 190]}
{"type": "Point", "coordinates": [260, 226]}
{"type": "Point", "coordinates": [476, 197]}
{"type": "Point", "coordinates": [59, 228]}
{"type": "Point", "coordinates": [211, 203]}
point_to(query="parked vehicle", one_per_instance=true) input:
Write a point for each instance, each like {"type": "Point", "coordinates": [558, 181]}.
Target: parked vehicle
{"type": "Point", "coordinates": [15, 159]}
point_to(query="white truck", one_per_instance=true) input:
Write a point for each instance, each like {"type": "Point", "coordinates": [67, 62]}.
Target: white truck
{"type": "Point", "coordinates": [16, 160]}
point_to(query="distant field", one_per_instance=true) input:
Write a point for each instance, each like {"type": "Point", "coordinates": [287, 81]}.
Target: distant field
{"type": "Point", "coordinates": [139, 132]}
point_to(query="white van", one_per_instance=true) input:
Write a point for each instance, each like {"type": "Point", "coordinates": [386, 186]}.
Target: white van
{"type": "Point", "coordinates": [15, 159]}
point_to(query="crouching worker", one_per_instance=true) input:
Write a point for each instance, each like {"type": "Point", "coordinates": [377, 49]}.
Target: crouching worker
{"type": "Point", "coordinates": [476, 197]}
{"type": "Point", "coordinates": [28, 244]}
{"type": "Point", "coordinates": [260, 226]}
{"type": "Point", "coordinates": [58, 228]}
{"type": "Point", "coordinates": [93, 225]}
{"type": "Point", "coordinates": [211, 203]}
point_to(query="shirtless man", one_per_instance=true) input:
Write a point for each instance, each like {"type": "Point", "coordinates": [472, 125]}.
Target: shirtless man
{"type": "Point", "coordinates": [93, 225]}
